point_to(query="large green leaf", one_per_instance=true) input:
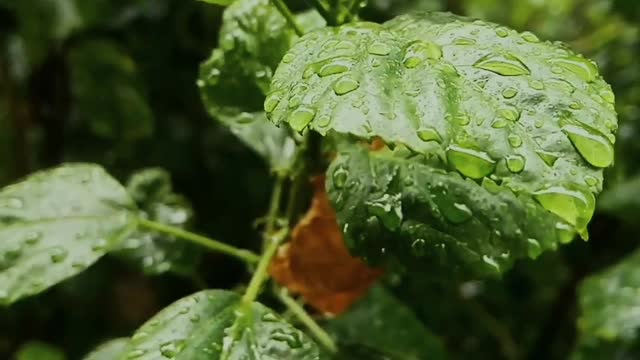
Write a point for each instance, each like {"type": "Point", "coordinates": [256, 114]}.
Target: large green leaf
{"type": "Point", "coordinates": [57, 222]}
{"type": "Point", "coordinates": [110, 350]}
{"type": "Point", "coordinates": [609, 321]}
{"type": "Point", "coordinates": [107, 94]}
{"type": "Point", "coordinates": [235, 78]}
{"type": "Point", "coordinates": [381, 322]}
{"type": "Point", "coordinates": [154, 252]}
{"type": "Point", "coordinates": [471, 97]}
{"type": "Point", "coordinates": [217, 324]}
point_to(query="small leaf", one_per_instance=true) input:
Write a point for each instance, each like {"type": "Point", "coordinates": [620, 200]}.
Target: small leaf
{"type": "Point", "coordinates": [217, 324]}
{"type": "Point", "coordinates": [233, 81]}
{"type": "Point", "coordinates": [316, 263]}
{"type": "Point", "coordinates": [36, 350]}
{"type": "Point", "coordinates": [56, 223]}
{"type": "Point", "coordinates": [155, 252]}
{"type": "Point", "coordinates": [464, 97]}
{"type": "Point", "coordinates": [109, 350]}
{"type": "Point", "coordinates": [609, 301]}
{"type": "Point", "coordinates": [382, 323]}
{"type": "Point", "coordinates": [219, 2]}
{"type": "Point", "coordinates": [107, 93]}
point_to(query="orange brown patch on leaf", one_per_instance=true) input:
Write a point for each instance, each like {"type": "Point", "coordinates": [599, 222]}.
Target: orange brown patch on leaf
{"type": "Point", "coordinates": [316, 263]}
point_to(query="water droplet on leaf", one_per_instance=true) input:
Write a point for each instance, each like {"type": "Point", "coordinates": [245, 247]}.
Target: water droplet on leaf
{"type": "Point", "coordinates": [345, 85]}
{"type": "Point", "coordinates": [469, 162]}
{"type": "Point", "coordinates": [506, 65]}
{"type": "Point", "coordinates": [301, 118]}
{"type": "Point", "coordinates": [594, 148]}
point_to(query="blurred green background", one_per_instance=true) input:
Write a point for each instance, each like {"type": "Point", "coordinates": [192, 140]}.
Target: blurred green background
{"type": "Point", "coordinates": [113, 82]}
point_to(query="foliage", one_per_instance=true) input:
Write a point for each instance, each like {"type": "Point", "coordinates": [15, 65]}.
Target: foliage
{"type": "Point", "coordinates": [416, 179]}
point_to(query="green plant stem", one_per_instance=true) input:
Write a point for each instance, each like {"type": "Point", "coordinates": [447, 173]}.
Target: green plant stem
{"type": "Point", "coordinates": [507, 344]}
{"type": "Point", "coordinates": [288, 15]}
{"type": "Point", "coordinates": [274, 204]}
{"type": "Point", "coordinates": [242, 254]}
{"type": "Point", "coordinates": [328, 17]}
{"type": "Point", "coordinates": [260, 275]}
{"type": "Point", "coordinates": [323, 338]}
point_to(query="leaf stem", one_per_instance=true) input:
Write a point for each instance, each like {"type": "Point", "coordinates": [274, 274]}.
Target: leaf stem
{"type": "Point", "coordinates": [242, 254]}
{"type": "Point", "coordinates": [274, 204]}
{"type": "Point", "coordinates": [328, 17]}
{"type": "Point", "coordinates": [260, 275]}
{"type": "Point", "coordinates": [323, 338]}
{"type": "Point", "coordinates": [288, 15]}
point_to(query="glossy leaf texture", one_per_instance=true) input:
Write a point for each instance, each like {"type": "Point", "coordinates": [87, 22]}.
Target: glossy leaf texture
{"type": "Point", "coordinates": [234, 80]}
{"type": "Point", "coordinates": [107, 93]}
{"type": "Point", "coordinates": [109, 350]}
{"type": "Point", "coordinates": [36, 350]}
{"type": "Point", "coordinates": [156, 253]}
{"type": "Point", "coordinates": [608, 323]}
{"type": "Point", "coordinates": [380, 324]}
{"type": "Point", "coordinates": [55, 223]}
{"type": "Point", "coordinates": [473, 98]}
{"type": "Point", "coordinates": [217, 324]}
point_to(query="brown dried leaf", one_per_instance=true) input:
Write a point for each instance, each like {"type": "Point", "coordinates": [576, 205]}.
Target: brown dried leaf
{"type": "Point", "coordinates": [317, 265]}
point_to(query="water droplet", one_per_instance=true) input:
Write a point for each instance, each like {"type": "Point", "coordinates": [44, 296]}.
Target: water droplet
{"type": "Point", "coordinates": [578, 65]}
{"type": "Point", "coordinates": [136, 353]}
{"type": "Point", "coordinates": [292, 338]}
{"type": "Point", "coordinates": [515, 163]}
{"type": "Point", "coordinates": [594, 148]}
{"type": "Point", "coordinates": [272, 101]}
{"type": "Point", "coordinates": [464, 41]}
{"type": "Point", "coordinates": [565, 232]}
{"type": "Point", "coordinates": [472, 163]}
{"type": "Point", "coordinates": [591, 180]}
{"type": "Point", "coordinates": [536, 84]}
{"type": "Point", "coordinates": [533, 248]}
{"type": "Point", "coordinates": [301, 118]}
{"type": "Point", "coordinates": [379, 48]}
{"type": "Point", "coordinates": [502, 31]}
{"type": "Point", "coordinates": [456, 213]}
{"type": "Point", "coordinates": [269, 317]}
{"type": "Point", "coordinates": [506, 65]}
{"type": "Point", "coordinates": [332, 68]}
{"type": "Point", "coordinates": [548, 158]}
{"type": "Point", "coordinates": [491, 262]}
{"type": "Point", "coordinates": [12, 203]}
{"type": "Point", "coordinates": [462, 119]}
{"type": "Point", "coordinates": [387, 208]}
{"type": "Point", "coordinates": [572, 205]}
{"type": "Point", "coordinates": [200, 83]}
{"type": "Point", "coordinates": [345, 85]}
{"type": "Point", "coordinates": [99, 245]}
{"type": "Point", "coordinates": [340, 176]}
{"type": "Point", "coordinates": [287, 58]}
{"type": "Point", "coordinates": [509, 92]}
{"type": "Point", "coordinates": [171, 348]}
{"type": "Point", "coordinates": [499, 123]}
{"type": "Point", "coordinates": [323, 121]}
{"type": "Point", "coordinates": [514, 140]}
{"type": "Point", "coordinates": [429, 134]}
{"type": "Point", "coordinates": [418, 51]}
{"type": "Point", "coordinates": [510, 113]}
{"type": "Point", "coordinates": [608, 96]}
{"type": "Point", "coordinates": [575, 105]}
{"type": "Point", "coordinates": [58, 254]}
{"type": "Point", "coordinates": [32, 237]}
{"type": "Point", "coordinates": [530, 37]}
{"type": "Point", "coordinates": [419, 247]}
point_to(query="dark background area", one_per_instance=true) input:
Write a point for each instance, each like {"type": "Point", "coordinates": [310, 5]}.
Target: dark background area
{"type": "Point", "coordinates": [113, 82]}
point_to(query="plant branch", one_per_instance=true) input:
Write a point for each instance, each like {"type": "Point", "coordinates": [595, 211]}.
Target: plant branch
{"type": "Point", "coordinates": [288, 15]}
{"type": "Point", "coordinates": [328, 17]}
{"type": "Point", "coordinates": [274, 205]}
{"type": "Point", "coordinates": [261, 275]}
{"type": "Point", "coordinates": [296, 309]}
{"type": "Point", "coordinates": [242, 254]}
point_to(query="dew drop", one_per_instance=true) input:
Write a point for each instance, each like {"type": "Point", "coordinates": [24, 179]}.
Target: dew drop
{"type": "Point", "coordinates": [530, 37]}
{"type": "Point", "coordinates": [491, 262]}
{"type": "Point", "coordinates": [32, 237]}
{"type": "Point", "coordinates": [510, 113]}
{"type": "Point", "coordinates": [594, 148]}
{"type": "Point", "coordinates": [429, 134]}
{"type": "Point", "coordinates": [455, 213]}
{"type": "Point", "coordinates": [272, 101]}
{"type": "Point", "coordinates": [287, 58]}
{"type": "Point", "coordinates": [419, 247]}
{"type": "Point", "coordinates": [340, 176]}
{"type": "Point", "coordinates": [58, 254]}
{"type": "Point", "coordinates": [578, 65]}
{"type": "Point", "coordinates": [472, 163]}
{"type": "Point", "coordinates": [506, 65]}
{"type": "Point", "coordinates": [418, 51]}
{"type": "Point", "coordinates": [462, 119]}
{"type": "Point", "coordinates": [572, 205]}
{"type": "Point", "coordinates": [136, 353]}
{"type": "Point", "coordinates": [379, 48]}
{"type": "Point", "coordinates": [301, 118]}
{"type": "Point", "coordinates": [515, 163]}
{"type": "Point", "coordinates": [548, 158]}
{"type": "Point", "coordinates": [387, 208]}
{"type": "Point", "coordinates": [608, 96]}
{"type": "Point", "coordinates": [536, 84]}
{"type": "Point", "coordinates": [464, 41]}
{"type": "Point", "coordinates": [345, 85]}
{"type": "Point", "coordinates": [533, 248]}
{"type": "Point", "coordinates": [333, 68]}
{"type": "Point", "coordinates": [502, 31]}
{"type": "Point", "coordinates": [509, 92]}
{"type": "Point", "coordinates": [565, 232]}
{"type": "Point", "coordinates": [514, 140]}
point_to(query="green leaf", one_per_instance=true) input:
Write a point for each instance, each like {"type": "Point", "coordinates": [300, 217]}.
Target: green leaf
{"type": "Point", "coordinates": [55, 223]}
{"type": "Point", "coordinates": [470, 97]}
{"type": "Point", "coordinates": [382, 324]}
{"type": "Point", "coordinates": [154, 252]}
{"type": "Point", "coordinates": [107, 94]}
{"type": "Point", "coordinates": [36, 350]}
{"type": "Point", "coordinates": [609, 302]}
{"type": "Point", "coordinates": [622, 199]}
{"type": "Point", "coordinates": [217, 324]}
{"type": "Point", "coordinates": [235, 78]}
{"type": "Point", "coordinates": [109, 350]}
{"type": "Point", "coordinates": [219, 2]}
